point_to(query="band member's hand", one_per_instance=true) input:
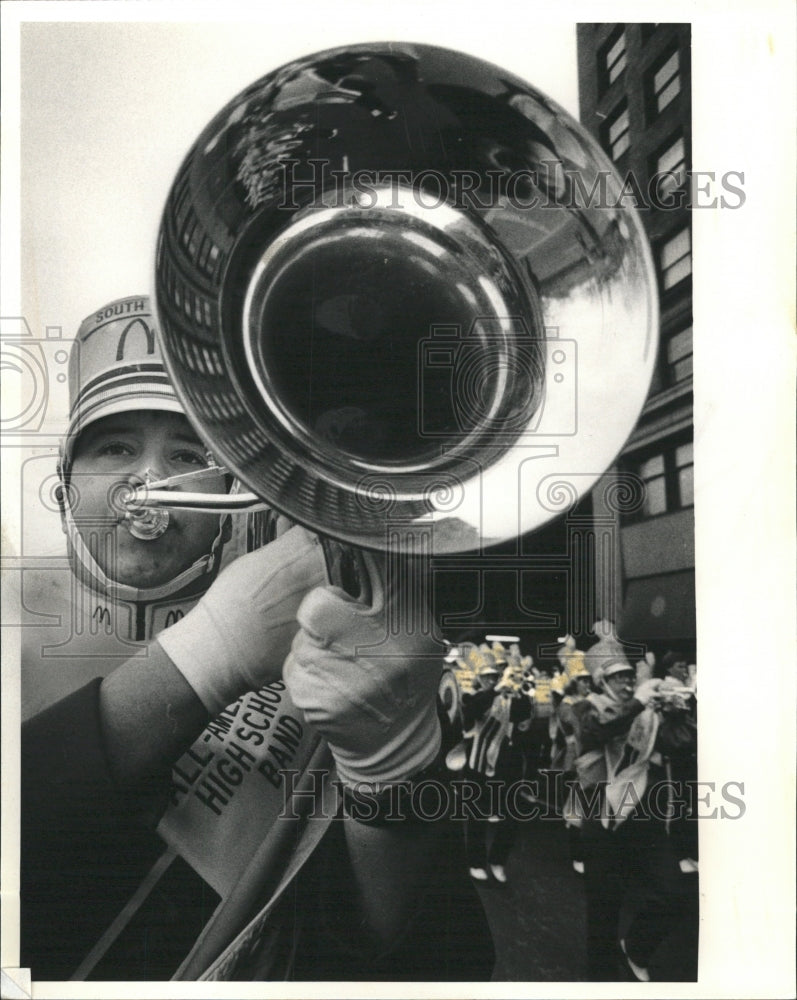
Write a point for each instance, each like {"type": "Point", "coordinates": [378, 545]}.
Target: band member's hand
{"type": "Point", "coordinates": [369, 687]}
{"type": "Point", "coordinates": [648, 691]}
{"type": "Point", "coordinates": [237, 637]}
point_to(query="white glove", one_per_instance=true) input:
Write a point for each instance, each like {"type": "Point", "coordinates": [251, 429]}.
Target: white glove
{"type": "Point", "coordinates": [369, 691]}
{"type": "Point", "coordinates": [647, 691]}
{"type": "Point", "coordinates": [237, 637]}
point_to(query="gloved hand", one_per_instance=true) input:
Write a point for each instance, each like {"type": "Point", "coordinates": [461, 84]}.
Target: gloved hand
{"type": "Point", "coordinates": [237, 637]}
{"type": "Point", "coordinates": [371, 693]}
{"type": "Point", "coordinates": [648, 691]}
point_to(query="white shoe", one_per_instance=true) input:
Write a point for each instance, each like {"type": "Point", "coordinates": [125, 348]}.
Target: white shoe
{"type": "Point", "coordinates": [499, 873]}
{"type": "Point", "coordinates": [639, 972]}
{"type": "Point", "coordinates": [457, 757]}
{"type": "Point", "coordinates": [578, 866]}
{"type": "Point", "coordinates": [688, 865]}
{"type": "Point", "coordinates": [479, 874]}
{"type": "Point", "coordinates": [493, 819]}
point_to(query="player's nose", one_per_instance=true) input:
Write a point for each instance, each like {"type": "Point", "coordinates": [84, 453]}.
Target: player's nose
{"type": "Point", "coordinates": [147, 468]}
{"type": "Point", "coordinates": [151, 463]}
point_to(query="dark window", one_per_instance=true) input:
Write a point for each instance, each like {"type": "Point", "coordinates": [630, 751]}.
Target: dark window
{"type": "Point", "coordinates": [678, 356]}
{"type": "Point", "coordinates": [616, 138]}
{"type": "Point", "coordinates": [675, 259]}
{"type": "Point", "coordinates": [616, 59]}
{"type": "Point", "coordinates": [668, 478]}
{"type": "Point", "coordinates": [685, 473]}
{"type": "Point", "coordinates": [651, 472]}
{"type": "Point", "coordinates": [612, 59]}
{"type": "Point", "coordinates": [664, 82]}
{"type": "Point", "coordinates": [669, 166]}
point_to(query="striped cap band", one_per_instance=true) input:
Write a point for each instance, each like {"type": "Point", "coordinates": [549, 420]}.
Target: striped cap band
{"type": "Point", "coordinates": [135, 387]}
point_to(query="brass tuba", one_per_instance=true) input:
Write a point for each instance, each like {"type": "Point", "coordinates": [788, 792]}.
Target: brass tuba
{"type": "Point", "coordinates": [399, 291]}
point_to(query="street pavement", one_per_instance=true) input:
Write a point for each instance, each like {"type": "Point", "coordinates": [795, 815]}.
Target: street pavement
{"type": "Point", "coordinates": [538, 917]}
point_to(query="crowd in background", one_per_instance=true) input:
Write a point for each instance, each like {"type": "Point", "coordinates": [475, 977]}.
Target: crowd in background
{"type": "Point", "coordinates": [607, 749]}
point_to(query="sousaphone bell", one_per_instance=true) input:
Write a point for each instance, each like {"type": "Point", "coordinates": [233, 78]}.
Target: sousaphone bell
{"type": "Point", "coordinates": [400, 296]}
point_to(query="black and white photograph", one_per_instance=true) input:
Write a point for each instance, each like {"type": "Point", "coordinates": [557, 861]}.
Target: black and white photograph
{"type": "Point", "coordinates": [398, 478]}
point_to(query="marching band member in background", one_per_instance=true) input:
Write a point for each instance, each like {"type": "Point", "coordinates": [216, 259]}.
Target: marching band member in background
{"type": "Point", "coordinates": [491, 711]}
{"type": "Point", "coordinates": [567, 738]}
{"type": "Point", "coordinates": [630, 866]}
{"type": "Point", "coordinates": [614, 847]}
{"type": "Point", "coordinates": [538, 737]}
{"type": "Point", "coordinates": [677, 741]}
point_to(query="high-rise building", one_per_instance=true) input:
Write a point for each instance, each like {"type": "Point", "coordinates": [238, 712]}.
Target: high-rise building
{"type": "Point", "coordinates": [635, 97]}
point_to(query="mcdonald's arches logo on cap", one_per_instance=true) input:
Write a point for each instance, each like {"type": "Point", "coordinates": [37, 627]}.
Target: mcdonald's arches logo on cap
{"type": "Point", "coordinates": [149, 334]}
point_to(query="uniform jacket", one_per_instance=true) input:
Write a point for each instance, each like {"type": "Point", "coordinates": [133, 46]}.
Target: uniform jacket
{"type": "Point", "coordinates": [90, 850]}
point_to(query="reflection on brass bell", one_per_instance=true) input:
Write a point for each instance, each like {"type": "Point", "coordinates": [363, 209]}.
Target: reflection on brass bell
{"type": "Point", "coordinates": [390, 306]}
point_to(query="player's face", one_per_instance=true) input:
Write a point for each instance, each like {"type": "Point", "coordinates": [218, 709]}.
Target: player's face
{"type": "Point", "coordinates": [123, 449]}
{"type": "Point", "coordinates": [680, 671]}
{"type": "Point", "coordinates": [621, 684]}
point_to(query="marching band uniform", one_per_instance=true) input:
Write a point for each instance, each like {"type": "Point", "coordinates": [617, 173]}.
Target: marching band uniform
{"type": "Point", "coordinates": [627, 857]}
{"type": "Point", "coordinates": [494, 761]}
{"type": "Point", "coordinates": [203, 870]}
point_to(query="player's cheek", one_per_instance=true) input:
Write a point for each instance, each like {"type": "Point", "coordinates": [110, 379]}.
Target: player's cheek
{"type": "Point", "coordinates": [91, 503]}
{"type": "Point", "coordinates": [199, 530]}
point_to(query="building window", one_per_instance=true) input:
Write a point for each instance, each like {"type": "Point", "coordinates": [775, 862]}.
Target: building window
{"type": "Point", "coordinates": [612, 58]}
{"type": "Point", "coordinates": [685, 475]}
{"type": "Point", "coordinates": [665, 82]}
{"type": "Point", "coordinates": [678, 356]}
{"type": "Point", "coordinates": [651, 472]}
{"type": "Point", "coordinates": [669, 167]}
{"type": "Point", "coordinates": [668, 478]}
{"type": "Point", "coordinates": [675, 259]}
{"type": "Point", "coordinates": [616, 138]}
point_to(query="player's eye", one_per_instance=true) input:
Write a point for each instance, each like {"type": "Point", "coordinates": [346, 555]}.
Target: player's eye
{"type": "Point", "coordinates": [113, 449]}
{"type": "Point", "coordinates": [191, 456]}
